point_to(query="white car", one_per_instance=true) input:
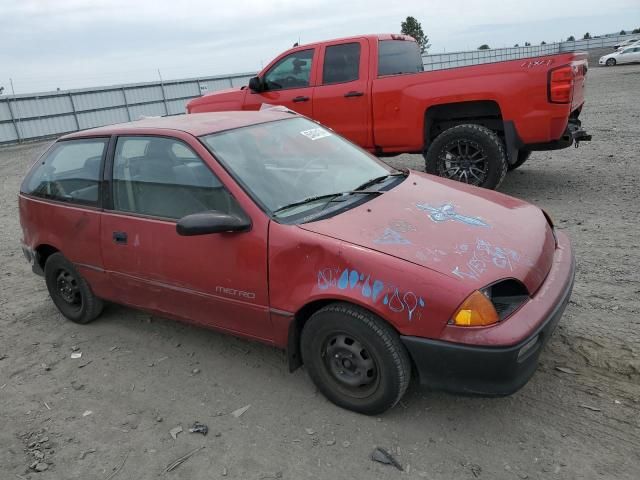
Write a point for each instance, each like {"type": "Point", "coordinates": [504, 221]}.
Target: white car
{"type": "Point", "coordinates": [626, 43]}
{"type": "Point", "coordinates": [625, 55]}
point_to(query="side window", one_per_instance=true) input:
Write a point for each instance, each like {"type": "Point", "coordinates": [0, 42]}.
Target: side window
{"type": "Point", "coordinates": [292, 71]}
{"type": "Point", "coordinates": [70, 172]}
{"type": "Point", "coordinates": [341, 63]}
{"type": "Point", "coordinates": [163, 177]}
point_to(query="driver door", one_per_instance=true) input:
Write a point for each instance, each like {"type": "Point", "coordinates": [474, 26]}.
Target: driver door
{"type": "Point", "coordinates": [289, 82]}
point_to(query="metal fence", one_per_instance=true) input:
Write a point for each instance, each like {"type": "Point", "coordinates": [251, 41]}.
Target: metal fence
{"type": "Point", "coordinates": [442, 61]}
{"type": "Point", "coordinates": [35, 116]}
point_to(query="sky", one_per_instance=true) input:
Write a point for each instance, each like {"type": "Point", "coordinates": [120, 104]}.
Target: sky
{"type": "Point", "coordinates": [50, 44]}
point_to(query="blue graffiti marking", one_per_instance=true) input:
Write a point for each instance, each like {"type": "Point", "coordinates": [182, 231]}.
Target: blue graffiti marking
{"type": "Point", "coordinates": [353, 278]}
{"type": "Point", "coordinates": [344, 280]}
{"type": "Point", "coordinates": [483, 255]}
{"type": "Point", "coordinates": [377, 288]}
{"type": "Point", "coordinates": [396, 300]}
{"type": "Point", "coordinates": [366, 289]}
{"type": "Point", "coordinates": [447, 212]}
{"type": "Point", "coordinates": [390, 236]}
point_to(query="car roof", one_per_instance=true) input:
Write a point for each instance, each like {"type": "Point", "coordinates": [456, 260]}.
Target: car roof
{"type": "Point", "coordinates": [377, 36]}
{"type": "Point", "coordinates": [196, 124]}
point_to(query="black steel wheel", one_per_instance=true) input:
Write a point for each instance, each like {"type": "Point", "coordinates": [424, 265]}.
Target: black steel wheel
{"type": "Point", "coordinates": [470, 154]}
{"type": "Point", "coordinates": [69, 291]}
{"type": "Point", "coordinates": [355, 358]}
{"type": "Point", "coordinates": [611, 62]}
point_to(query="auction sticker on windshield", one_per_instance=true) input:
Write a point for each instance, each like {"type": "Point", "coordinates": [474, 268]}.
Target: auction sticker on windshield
{"type": "Point", "coordinates": [316, 133]}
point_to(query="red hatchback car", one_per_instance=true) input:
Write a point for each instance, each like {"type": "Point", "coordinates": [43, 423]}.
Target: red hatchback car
{"type": "Point", "coordinates": [269, 226]}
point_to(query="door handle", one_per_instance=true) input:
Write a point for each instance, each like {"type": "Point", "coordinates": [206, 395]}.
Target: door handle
{"type": "Point", "coordinates": [301, 99]}
{"type": "Point", "coordinates": [353, 93]}
{"type": "Point", "coordinates": [120, 237]}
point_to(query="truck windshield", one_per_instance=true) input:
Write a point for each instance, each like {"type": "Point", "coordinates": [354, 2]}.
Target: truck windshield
{"type": "Point", "coordinates": [398, 56]}
{"type": "Point", "coordinates": [294, 167]}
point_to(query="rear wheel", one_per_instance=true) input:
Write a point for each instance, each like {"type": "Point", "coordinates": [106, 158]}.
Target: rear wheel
{"type": "Point", "coordinates": [355, 359]}
{"type": "Point", "coordinates": [69, 291]}
{"type": "Point", "coordinates": [523, 156]}
{"type": "Point", "coordinates": [611, 62]}
{"type": "Point", "coordinates": [468, 153]}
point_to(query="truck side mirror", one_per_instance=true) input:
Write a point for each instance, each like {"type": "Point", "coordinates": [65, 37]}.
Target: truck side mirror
{"type": "Point", "coordinates": [256, 85]}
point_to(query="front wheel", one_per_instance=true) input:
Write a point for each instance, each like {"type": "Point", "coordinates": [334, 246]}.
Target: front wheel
{"type": "Point", "coordinates": [468, 153]}
{"type": "Point", "coordinates": [611, 62]}
{"type": "Point", "coordinates": [355, 359]}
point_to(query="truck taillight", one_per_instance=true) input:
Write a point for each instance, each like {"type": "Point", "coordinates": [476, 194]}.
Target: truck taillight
{"type": "Point", "coordinates": [560, 84]}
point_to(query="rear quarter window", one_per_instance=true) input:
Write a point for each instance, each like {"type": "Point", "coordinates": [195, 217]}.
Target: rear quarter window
{"type": "Point", "coordinates": [69, 172]}
{"type": "Point", "coordinates": [396, 57]}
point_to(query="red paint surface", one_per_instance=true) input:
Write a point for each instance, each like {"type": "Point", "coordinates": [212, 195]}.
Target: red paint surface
{"type": "Point", "coordinates": [391, 113]}
{"type": "Point", "coordinates": [286, 267]}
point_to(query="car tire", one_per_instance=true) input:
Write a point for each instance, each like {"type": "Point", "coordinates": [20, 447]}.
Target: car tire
{"type": "Point", "coordinates": [523, 156]}
{"type": "Point", "coordinates": [468, 153]}
{"type": "Point", "coordinates": [355, 358]}
{"type": "Point", "coordinates": [611, 62]}
{"type": "Point", "coordinates": [69, 291]}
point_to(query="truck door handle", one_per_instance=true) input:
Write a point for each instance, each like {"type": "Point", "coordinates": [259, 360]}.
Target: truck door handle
{"type": "Point", "coordinates": [120, 237]}
{"type": "Point", "coordinates": [353, 93]}
{"type": "Point", "coordinates": [301, 99]}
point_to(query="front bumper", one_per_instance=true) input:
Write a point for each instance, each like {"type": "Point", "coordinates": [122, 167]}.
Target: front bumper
{"type": "Point", "coordinates": [496, 370]}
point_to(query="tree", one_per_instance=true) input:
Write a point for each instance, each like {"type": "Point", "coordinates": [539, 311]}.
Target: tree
{"type": "Point", "coordinates": [527, 44]}
{"type": "Point", "coordinates": [412, 27]}
{"type": "Point", "coordinates": [622, 32]}
{"type": "Point", "coordinates": [543, 42]}
{"type": "Point", "coordinates": [516, 45]}
{"type": "Point", "coordinates": [636, 30]}
{"type": "Point", "coordinates": [586, 36]}
{"type": "Point", "coordinates": [571, 38]}
{"type": "Point", "coordinates": [484, 47]}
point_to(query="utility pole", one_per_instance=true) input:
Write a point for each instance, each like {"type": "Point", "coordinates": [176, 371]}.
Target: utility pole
{"type": "Point", "coordinates": [164, 97]}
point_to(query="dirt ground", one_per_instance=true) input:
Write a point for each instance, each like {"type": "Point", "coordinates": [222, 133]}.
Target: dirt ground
{"type": "Point", "coordinates": [108, 414]}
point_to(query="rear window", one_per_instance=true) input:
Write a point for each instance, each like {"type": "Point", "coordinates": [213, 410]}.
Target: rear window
{"type": "Point", "coordinates": [399, 56]}
{"type": "Point", "coordinates": [70, 172]}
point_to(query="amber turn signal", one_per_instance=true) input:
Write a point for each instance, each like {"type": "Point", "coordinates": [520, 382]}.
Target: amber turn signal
{"type": "Point", "coordinates": [476, 311]}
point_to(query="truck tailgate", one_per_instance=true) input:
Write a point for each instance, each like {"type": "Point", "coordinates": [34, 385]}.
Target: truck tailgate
{"type": "Point", "coordinates": [580, 65]}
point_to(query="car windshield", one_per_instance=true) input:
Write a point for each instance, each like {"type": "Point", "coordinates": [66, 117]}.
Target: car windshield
{"type": "Point", "coordinates": [294, 166]}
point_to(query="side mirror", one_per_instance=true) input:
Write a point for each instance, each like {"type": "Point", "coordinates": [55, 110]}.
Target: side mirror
{"type": "Point", "coordinates": [211, 221]}
{"type": "Point", "coordinates": [256, 85]}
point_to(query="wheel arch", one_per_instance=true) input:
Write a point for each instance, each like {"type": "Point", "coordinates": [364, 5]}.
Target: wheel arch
{"type": "Point", "coordinates": [43, 252]}
{"type": "Point", "coordinates": [301, 317]}
{"type": "Point", "coordinates": [438, 118]}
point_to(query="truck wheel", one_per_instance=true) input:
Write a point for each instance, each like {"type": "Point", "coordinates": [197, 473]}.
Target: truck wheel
{"type": "Point", "coordinates": [355, 359]}
{"type": "Point", "coordinates": [523, 156]}
{"type": "Point", "coordinates": [468, 153]}
{"type": "Point", "coordinates": [69, 291]}
{"type": "Point", "coordinates": [611, 62]}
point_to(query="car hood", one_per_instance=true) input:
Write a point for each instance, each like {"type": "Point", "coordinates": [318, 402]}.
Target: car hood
{"type": "Point", "coordinates": [475, 235]}
{"type": "Point", "coordinates": [227, 99]}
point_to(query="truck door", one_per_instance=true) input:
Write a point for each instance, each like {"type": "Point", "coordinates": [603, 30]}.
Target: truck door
{"type": "Point", "coordinates": [341, 98]}
{"type": "Point", "coordinates": [289, 82]}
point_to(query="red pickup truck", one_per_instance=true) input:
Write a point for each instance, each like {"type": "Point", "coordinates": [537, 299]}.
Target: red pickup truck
{"type": "Point", "coordinates": [472, 124]}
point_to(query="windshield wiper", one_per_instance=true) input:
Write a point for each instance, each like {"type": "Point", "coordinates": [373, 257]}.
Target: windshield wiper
{"type": "Point", "coordinates": [330, 196]}
{"type": "Point", "coordinates": [381, 178]}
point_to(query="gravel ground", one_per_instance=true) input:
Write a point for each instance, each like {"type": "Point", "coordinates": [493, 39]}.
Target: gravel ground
{"type": "Point", "coordinates": [108, 414]}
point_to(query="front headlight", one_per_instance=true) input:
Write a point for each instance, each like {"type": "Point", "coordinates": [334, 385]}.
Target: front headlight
{"type": "Point", "coordinates": [491, 304]}
{"type": "Point", "coordinates": [476, 311]}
